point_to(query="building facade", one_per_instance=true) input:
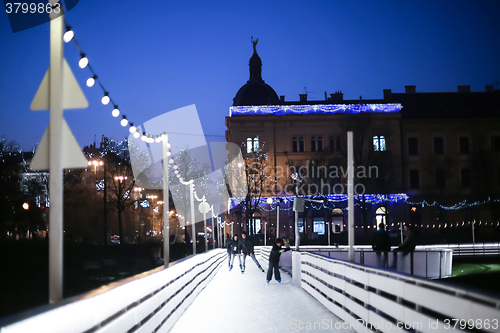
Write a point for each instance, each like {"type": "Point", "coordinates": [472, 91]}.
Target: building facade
{"type": "Point", "coordinates": [428, 159]}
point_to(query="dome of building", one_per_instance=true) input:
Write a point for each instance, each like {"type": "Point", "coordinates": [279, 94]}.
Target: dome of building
{"type": "Point", "coordinates": [255, 91]}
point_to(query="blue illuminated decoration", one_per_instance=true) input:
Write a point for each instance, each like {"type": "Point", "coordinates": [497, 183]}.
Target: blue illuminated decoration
{"type": "Point", "coordinates": [145, 204]}
{"type": "Point", "coordinates": [100, 185]}
{"type": "Point", "coordinates": [329, 201]}
{"type": "Point", "coordinates": [281, 110]}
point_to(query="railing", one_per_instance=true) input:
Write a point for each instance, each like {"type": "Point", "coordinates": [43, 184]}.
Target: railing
{"type": "Point", "coordinates": [149, 302]}
{"type": "Point", "coordinates": [479, 249]}
{"type": "Point", "coordinates": [431, 263]}
{"type": "Point", "coordinates": [373, 300]}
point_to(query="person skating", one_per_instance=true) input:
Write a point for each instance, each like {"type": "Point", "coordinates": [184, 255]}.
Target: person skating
{"type": "Point", "coordinates": [233, 250]}
{"type": "Point", "coordinates": [246, 246]}
{"type": "Point", "coordinates": [274, 259]}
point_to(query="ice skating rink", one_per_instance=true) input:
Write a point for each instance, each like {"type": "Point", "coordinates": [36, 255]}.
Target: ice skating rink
{"type": "Point", "coordinates": [235, 302]}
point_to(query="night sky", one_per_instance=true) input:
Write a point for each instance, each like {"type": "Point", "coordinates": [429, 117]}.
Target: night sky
{"type": "Point", "coordinates": [158, 56]}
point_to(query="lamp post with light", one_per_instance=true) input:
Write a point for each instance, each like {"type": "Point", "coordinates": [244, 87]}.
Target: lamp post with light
{"type": "Point", "coordinates": [96, 163]}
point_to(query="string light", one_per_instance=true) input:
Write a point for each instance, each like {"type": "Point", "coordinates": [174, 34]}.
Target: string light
{"type": "Point", "coordinates": [132, 128]}
{"type": "Point", "coordinates": [115, 113]}
{"type": "Point", "coordinates": [91, 81]}
{"type": "Point", "coordinates": [124, 121]}
{"type": "Point", "coordinates": [83, 61]}
{"type": "Point", "coordinates": [136, 134]}
{"type": "Point", "coordinates": [105, 99]}
{"type": "Point", "coordinates": [68, 35]}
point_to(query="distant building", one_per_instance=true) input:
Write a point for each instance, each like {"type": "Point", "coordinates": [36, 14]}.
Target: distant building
{"type": "Point", "coordinates": [442, 147]}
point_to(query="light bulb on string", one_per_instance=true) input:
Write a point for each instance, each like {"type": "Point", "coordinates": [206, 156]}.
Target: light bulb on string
{"type": "Point", "coordinates": [136, 134]}
{"type": "Point", "coordinates": [150, 140]}
{"type": "Point", "coordinates": [115, 113]}
{"type": "Point", "coordinates": [91, 81]}
{"type": "Point", "coordinates": [144, 137]}
{"type": "Point", "coordinates": [132, 128]}
{"type": "Point", "coordinates": [171, 161]}
{"type": "Point", "coordinates": [158, 139]}
{"type": "Point", "coordinates": [124, 121]}
{"type": "Point", "coordinates": [105, 99]}
{"type": "Point", "coordinates": [68, 35]}
{"type": "Point", "coordinates": [83, 61]}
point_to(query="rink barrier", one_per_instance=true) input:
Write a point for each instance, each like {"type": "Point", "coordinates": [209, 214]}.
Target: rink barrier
{"type": "Point", "coordinates": [148, 302]}
{"type": "Point", "coordinates": [375, 300]}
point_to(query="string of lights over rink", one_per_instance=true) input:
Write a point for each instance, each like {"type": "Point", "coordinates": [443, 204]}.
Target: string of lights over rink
{"type": "Point", "coordinates": [69, 35]}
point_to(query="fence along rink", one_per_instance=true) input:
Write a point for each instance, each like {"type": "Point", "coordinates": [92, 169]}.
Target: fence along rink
{"type": "Point", "coordinates": [370, 299]}
{"type": "Point", "coordinates": [149, 302]}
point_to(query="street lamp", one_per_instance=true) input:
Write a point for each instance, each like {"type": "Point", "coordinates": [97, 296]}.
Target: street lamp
{"type": "Point", "coordinates": [121, 178]}
{"type": "Point", "coordinates": [95, 163]}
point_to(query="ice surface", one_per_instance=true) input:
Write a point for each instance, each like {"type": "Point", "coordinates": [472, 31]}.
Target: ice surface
{"type": "Point", "coordinates": [243, 302]}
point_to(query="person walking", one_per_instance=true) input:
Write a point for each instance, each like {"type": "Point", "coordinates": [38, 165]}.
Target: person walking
{"type": "Point", "coordinates": [233, 250]}
{"type": "Point", "coordinates": [274, 259]}
{"type": "Point", "coordinates": [246, 246]}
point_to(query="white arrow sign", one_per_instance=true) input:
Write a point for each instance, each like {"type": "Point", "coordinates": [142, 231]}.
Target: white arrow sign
{"type": "Point", "coordinates": [72, 98]}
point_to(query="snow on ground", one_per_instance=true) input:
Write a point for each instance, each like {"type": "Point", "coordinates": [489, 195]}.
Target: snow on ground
{"type": "Point", "coordinates": [238, 303]}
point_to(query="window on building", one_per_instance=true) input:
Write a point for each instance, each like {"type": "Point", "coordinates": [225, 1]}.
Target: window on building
{"type": "Point", "coordinates": [313, 144]}
{"type": "Point", "coordinates": [319, 225]}
{"type": "Point", "coordinates": [320, 143]}
{"type": "Point", "coordinates": [294, 144]}
{"type": "Point", "coordinates": [253, 145]}
{"type": "Point", "coordinates": [463, 144]}
{"type": "Point", "coordinates": [438, 146]}
{"type": "Point", "coordinates": [414, 179]}
{"type": "Point", "coordinates": [249, 145]}
{"type": "Point", "coordinates": [379, 143]}
{"type": "Point", "coordinates": [465, 178]}
{"type": "Point", "coordinates": [339, 147]}
{"type": "Point", "coordinates": [440, 178]}
{"type": "Point", "coordinates": [412, 146]}
{"type": "Point", "coordinates": [256, 146]}
{"type": "Point", "coordinates": [301, 144]}
{"type": "Point", "coordinates": [332, 143]}
{"type": "Point", "coordinates": [495, 143]}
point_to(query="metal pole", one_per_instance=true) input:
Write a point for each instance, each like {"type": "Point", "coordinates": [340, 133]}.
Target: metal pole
{"type": "Point", "coordinates": [265, 235]}
{"type": "Point", "coordinates": [350, 193]}
{"type": "Point", "coordinates": [214, 228]}
{"type": "Point", "coordinates": [193, 229]}
{"type": "Point", "coordinates": [473, 237]}
{"type": "Point", "coordinates": [278, 221]}
{"type": "Point", "coordinates": [329, 231]}
{"type": "Point", "coordinates": [401, 227]}
{"type": "Point", "coordinates": [105, 210]}
{"type": "Point", "coordinates": [166, 222]}
{"type": "Point", "coordinates": [297, 233]}
{"type": "Point", "coordinates": [55, 162]}
{"type": "Point", "coordinates": [205, 224]}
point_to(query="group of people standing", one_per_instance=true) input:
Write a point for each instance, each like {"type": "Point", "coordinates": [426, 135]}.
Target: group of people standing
{"type": "Point", "coordinates": [244, 247]}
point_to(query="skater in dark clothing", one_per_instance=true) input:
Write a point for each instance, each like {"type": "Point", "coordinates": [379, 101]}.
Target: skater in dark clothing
{"type": "Point", "coordinates": [381, 244]}
{"type": "Point", "coordinates": [274, 259]}
{"type": "Point", "coordinates": [246, 246]}
{"type": "Point", "coordinates": [233, 250]}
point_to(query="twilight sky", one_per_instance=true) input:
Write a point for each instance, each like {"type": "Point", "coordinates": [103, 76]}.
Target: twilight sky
{"type": "Point", "coordinates": [157, 56]}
